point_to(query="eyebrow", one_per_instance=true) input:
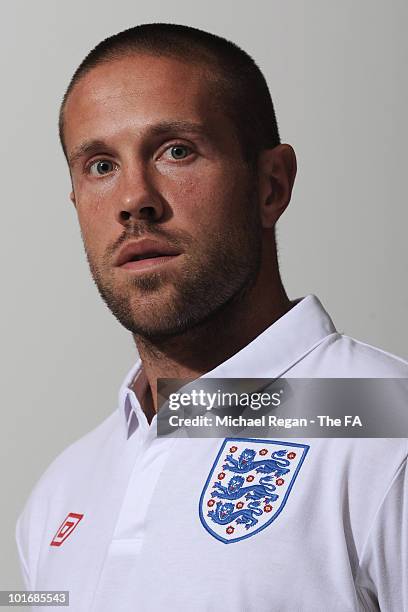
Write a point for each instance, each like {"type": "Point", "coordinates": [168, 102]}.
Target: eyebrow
{"type": "Point", "coordinates": [159, 129]}
{"type": "Point", "coordinates": [89, 146]}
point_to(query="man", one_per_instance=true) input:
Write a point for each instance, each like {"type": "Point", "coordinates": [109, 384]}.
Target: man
{"type": "Point", "coordinates": [178, 179]}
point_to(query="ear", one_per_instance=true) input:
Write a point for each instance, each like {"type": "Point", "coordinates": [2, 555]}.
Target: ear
{"type": "Point", "coordinates": [276, 175]}
{"type": "Point", "coordinates": [72, 194]}
{"type": "Point", "coordinates": [72, 198]}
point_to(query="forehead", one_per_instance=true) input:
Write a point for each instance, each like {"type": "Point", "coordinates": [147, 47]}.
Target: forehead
{"type": "Point", "coordinates": [139, 90]}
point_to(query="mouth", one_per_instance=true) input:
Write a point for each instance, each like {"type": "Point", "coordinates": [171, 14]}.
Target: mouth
{"type": "Point", "coordinates": [145, 254]}
{"type": "Point", "coordinates": [139, 262]}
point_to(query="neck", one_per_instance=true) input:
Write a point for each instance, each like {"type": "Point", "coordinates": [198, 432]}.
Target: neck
{"type": "Point", "coordinates": [207, 345]}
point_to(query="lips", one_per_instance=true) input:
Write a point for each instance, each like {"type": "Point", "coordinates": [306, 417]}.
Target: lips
{"type": "Point", "coordinates": [144, 249]}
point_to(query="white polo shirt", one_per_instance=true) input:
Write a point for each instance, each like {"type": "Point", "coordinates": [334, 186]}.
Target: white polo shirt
{"type": "Point", "coordinates": [127, 521]}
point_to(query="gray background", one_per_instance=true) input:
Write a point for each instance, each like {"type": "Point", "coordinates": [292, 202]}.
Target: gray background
{"type": "Point", "coordinates": [337, 72]}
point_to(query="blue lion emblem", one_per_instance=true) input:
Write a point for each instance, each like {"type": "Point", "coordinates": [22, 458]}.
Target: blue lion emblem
{"type": "Point", "coordinates": [245, 463]}
{"type": "Point", "coordinates": [224, 514]}
{"type": "Point", "coordinates": [248, 486]}
{"type": "Point", "coordinates": [235, 490]}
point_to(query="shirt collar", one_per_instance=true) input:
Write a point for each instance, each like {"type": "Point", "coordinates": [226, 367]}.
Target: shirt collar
{"type": "Point", "coordinates": [269, 355]}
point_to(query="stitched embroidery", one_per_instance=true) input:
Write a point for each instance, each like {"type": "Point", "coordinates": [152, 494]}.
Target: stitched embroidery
{"type": "Point", "coordinates": [248, 486]}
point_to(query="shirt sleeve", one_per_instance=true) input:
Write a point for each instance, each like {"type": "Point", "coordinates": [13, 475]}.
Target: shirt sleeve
{"type": "Point", "coordinates": [382, 576]}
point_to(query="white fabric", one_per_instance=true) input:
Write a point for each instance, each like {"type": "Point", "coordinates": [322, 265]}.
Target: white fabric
{"type": "Point", "coordinates": [339, 544]}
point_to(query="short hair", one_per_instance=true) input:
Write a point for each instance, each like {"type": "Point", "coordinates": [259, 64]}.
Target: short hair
{"type": "Point", "coordinates": [239, 82]}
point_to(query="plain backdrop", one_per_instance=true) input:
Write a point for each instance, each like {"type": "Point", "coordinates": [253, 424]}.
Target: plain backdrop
{"type": "Point", "coordinates": [338, 77]}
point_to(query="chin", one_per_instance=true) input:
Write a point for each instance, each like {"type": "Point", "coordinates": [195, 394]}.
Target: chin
{"type": "Point", "coordinates": [152, 331]}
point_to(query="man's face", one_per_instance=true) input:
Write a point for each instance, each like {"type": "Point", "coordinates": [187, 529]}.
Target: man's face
{"type": "Point", "coordinates": [153, 155]}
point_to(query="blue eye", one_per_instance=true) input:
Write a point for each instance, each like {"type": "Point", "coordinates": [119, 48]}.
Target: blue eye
{"type": "Point", "coordinates": [101, 167]}
{"type": "Point", "coordinates": [179, 151]}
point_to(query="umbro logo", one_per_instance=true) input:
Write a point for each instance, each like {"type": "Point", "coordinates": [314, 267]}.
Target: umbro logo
{"type": "Point", "coordinates": [66, 528]}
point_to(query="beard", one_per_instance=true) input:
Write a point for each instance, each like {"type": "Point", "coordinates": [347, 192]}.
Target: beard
{"type": "Point", "coordinates": [209, 276]}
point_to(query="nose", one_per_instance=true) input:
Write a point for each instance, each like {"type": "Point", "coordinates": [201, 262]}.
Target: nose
{"type": "Point", "coordinates": [138, 198]}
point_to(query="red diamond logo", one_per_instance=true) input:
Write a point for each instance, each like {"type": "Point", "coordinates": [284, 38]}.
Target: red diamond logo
{"type": "Point", "coordinates": [66, 528]}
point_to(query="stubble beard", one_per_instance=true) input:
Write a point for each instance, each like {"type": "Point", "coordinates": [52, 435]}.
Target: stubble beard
{"type": "Point", "coordinates": [162, 304]}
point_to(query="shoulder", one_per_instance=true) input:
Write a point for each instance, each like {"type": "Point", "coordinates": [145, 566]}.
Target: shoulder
{"type": "Point", "coordinates": [343, 356]}
{"type": "Point", "coordinates": [67, 476]}
{"type": "Point", "coordinates": [80, 456]}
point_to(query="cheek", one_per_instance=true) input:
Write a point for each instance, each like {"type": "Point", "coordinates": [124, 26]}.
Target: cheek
{"type": "Point", "coordinates": [95, 228]}
{"type": "Point", "coordinates": [206, 198]}
{"type": "Point", "coordinates": [93, 198]}
{"type": "Point", "coordinates": [94, 207]}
